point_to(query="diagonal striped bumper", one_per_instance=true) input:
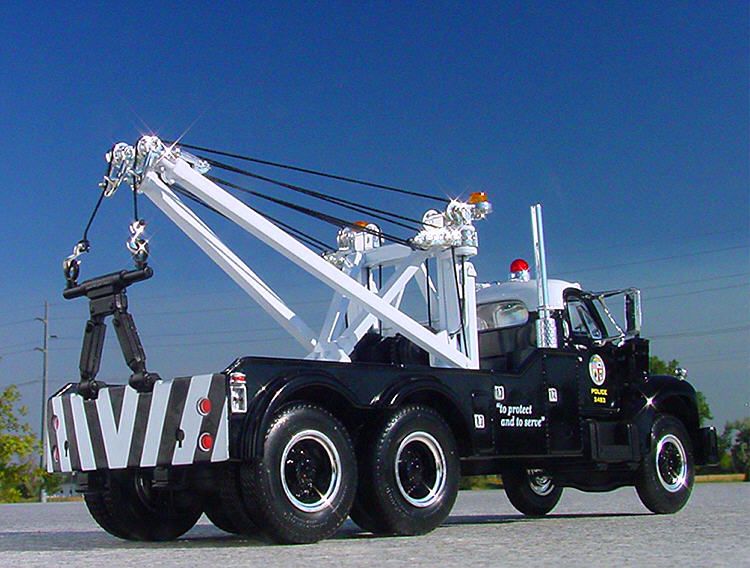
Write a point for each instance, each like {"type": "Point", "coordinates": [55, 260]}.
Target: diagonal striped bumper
{"type": "Point", "coordinates": [181, 422]}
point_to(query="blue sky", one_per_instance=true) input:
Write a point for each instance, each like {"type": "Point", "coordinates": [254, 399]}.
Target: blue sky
{"type": "Point", "coordinates": [628, 121]}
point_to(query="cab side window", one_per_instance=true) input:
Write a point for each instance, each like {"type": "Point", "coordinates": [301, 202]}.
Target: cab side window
{"type": "Point", "coordinates": [582, 324]}
{"type": "Point", "coordinates": [498, 315]}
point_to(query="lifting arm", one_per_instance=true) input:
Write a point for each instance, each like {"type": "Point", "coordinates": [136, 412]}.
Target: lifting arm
{"type": "Point", "coordinates": [449, 238]}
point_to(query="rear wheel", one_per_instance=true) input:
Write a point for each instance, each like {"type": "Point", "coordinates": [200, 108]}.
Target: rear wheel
{"type": "Point", "coordinates": [226, 508]}
{"type": "Point", "coordinates": [128, 506]}
{"type": "Point", "coordinates": [532, 491]}
{"type": "Point", "coordinates": [409, 474]}
{"type": "Point", "coordinates": [219, 517]}
{"type": "Point", "coordinates": [302, 489]}
{"type": "Point", "coordinates": [665, 478]}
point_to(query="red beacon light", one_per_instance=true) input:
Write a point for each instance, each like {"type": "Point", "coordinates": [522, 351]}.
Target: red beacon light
{"type": "Point", "coordinates": [519, 270]}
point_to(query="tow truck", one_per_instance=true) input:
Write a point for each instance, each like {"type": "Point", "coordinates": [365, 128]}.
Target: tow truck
{"type": "Point", "coordinates": [535, 379]}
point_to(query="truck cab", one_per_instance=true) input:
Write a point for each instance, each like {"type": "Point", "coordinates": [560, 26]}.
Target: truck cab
{"type": "Point", "coordinates": [588, 398]}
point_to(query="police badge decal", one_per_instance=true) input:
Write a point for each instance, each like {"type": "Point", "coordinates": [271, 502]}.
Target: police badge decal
{"type": "Point", "coordinates": [597, 370]}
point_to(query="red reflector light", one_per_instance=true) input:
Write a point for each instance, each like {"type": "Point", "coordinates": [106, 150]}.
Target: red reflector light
{"type": "Point", "coordinates": [55, 454]}
{"type": "Point", "coordinates": [206, 442]}
{"type": "Point", "coordinates": [204, 407]}
{"type": "Point", "coordinates": [55, 422]}
{"type": "Point", "coordinates": [237, 378]}
{"type": "Point", "coordinates": [519, 265]}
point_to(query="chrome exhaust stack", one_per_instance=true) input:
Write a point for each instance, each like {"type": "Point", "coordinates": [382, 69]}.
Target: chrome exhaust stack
{"type": "Point", "coordinates": [546, 329]}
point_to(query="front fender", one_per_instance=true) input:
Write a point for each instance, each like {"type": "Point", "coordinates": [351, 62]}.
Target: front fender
{"type": "Point", "coordinates": [662, 394]}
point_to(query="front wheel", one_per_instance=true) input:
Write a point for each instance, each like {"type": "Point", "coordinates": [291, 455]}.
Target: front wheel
{"type": "Point", "coordinates": [665, 478]}
{"type": "Point", "coordinates": [532, 491]}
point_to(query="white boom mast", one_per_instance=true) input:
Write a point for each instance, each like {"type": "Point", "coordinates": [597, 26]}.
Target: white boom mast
{"type": "Point", "coordinates": [448, 237]}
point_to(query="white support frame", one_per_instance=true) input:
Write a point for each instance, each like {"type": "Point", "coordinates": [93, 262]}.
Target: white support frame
{"type": "Point", "coordinates": [357, 305]}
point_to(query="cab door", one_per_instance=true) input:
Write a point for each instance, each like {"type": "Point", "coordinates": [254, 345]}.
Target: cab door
{"type": "Point", "coordinates": [602, 371]}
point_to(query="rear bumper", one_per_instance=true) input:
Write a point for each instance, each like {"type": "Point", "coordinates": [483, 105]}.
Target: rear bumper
{"type": "Point", "coordinates": [707, 447]}
{"type": "Point", "coordinates": [124, 428]}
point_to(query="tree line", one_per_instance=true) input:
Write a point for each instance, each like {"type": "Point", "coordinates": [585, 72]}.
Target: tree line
{"type": "Point", "coordinates": [21, 475]}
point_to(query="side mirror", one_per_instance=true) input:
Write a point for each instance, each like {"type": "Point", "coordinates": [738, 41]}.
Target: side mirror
{"type": "Point", "coordinates": [633, 316]}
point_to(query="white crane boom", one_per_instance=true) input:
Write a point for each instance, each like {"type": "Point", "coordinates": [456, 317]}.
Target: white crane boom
{"type": "Point", "coordinates": [449, 238]}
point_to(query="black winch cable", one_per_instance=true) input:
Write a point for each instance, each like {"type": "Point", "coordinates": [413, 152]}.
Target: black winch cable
{"type": "Point", "coordinates": [331, 219]}
{"type": "Point", "coordinates": [309, 240]}
{"type": "Point", "coordinates": [340, 201]}
{"type": "Point", "coordinates": [311, 172]}
{"type": "Point", "coordinates": [85, 237]}
{"type": "Point", "coordinates": [135, 205]}
{"type": "Point", "coordinates": [459, 296]}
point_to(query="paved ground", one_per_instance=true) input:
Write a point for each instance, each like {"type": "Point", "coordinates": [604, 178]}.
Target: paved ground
{"type": "Point", "coordinates": [585, 530]}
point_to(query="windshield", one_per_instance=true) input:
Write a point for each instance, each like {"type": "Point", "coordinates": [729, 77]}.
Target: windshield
{"type": "Point", "coordinates": [581, 321]}
{"type": "Point", "coordinates": [613, 328]}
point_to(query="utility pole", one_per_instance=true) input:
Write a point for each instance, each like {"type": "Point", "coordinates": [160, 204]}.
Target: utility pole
{"type": "Point", "coordinates": [45, 360]}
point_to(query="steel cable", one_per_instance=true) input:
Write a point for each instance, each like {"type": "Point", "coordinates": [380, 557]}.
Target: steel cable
{"type": "Point", "coordinates": [311, 172]}
{"type": "Point", "coordinates": [382, 214]}
{"type": "Point", "coordinates": [331, 219]}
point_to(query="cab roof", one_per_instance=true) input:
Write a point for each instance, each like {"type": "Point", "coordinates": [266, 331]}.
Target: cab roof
{"type": "Point", "coordinates": [525, 292]}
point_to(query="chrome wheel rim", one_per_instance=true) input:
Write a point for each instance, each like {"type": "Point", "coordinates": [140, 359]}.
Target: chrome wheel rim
{"type": "Point", "coordinates": [539, 482]}
{"type": "Point", "coordinates": [420, 469]}
{"type": "Point", "coordinates": [310, 471]}
{"type": "Point", "coordinates": [671, 463]}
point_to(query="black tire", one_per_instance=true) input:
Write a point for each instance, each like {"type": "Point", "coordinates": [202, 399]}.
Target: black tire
{"type": "Point", "coordinates": [665, 478]}
{"type": "Point", "coordinates": [409, 473]}
{"type": "Point", "coordinates": [97, 506]}
{"type": "Point", "coordinates": [128, 507]}
{"type": "Point", "coordinates": [362, 514]}
{"type": "Point", "coordinates": [531, 491]}
{"type": "Point", "coordinates": [226, 508]}
{"type": "Point", "coordinates": [219, 517]}
{"type": "Point", "coordinates": [303, 487]}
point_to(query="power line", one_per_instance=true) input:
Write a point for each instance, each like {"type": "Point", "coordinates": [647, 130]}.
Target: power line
{"type": "Point", "coordinates": [718, 359]}
{"type": "Point", "coordinates": [194, 334]}
{"type": "Point", "coordinates": [696, 281]}
{"type": "Point", "coordinates": [156, 297]}
{"type": "Point", "coordinates": [18, 322]}
{"type": "Point", "coordinates": [701, 333]}
{"type": "Point", "coordinates": [23, 384]}
{"type": "Point", "coordinates": [115, 347]}
{"type": "Point", "coordinates": [692, 292]}
{"type": "Point", "coordinates": [17, 352]}
{"type": "Point", "coordinates": [244, 308]}
{"type": "Point", "coordinates": [640, 243]}
{"type": "Point", "coordinates": [24, 344]}
{"type": "Point", "coordinates": [647, 260]}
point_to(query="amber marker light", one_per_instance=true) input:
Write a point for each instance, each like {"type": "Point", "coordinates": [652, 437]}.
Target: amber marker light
{"type": "Point", "coordinates": [477, 197]}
